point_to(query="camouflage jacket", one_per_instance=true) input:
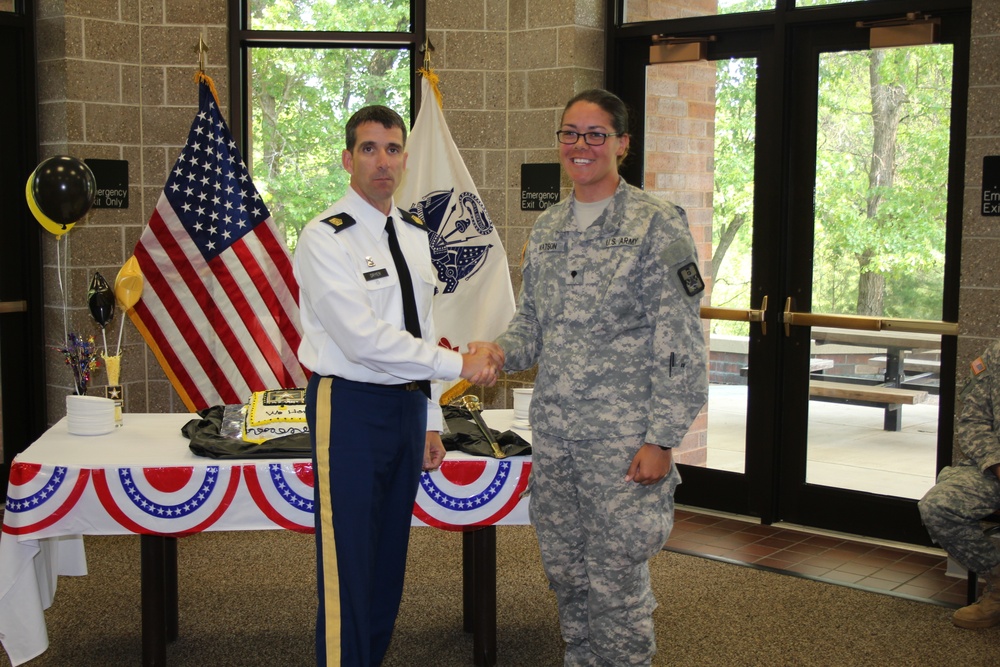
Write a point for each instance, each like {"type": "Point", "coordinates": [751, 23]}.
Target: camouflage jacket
{"type": "Point", "coordinates": [978, 428]}
{"type": "Point", "coordinates": [611, 316]}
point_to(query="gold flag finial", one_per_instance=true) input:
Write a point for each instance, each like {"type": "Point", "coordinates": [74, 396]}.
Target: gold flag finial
{"type": "Point", "coordinates": [202, 49]}
{"type": "Point", "coordinates": [427, 48]}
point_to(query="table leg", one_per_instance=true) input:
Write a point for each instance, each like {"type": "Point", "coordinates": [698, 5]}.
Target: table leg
{"type": "Point", "coordinates": [468, 583]}
{"type": "Point", "coordinates": [479, 593]}
{"type": "Point", "coordinates": [893, 378]}
{"type": "Point", "coordinates": [154, 594]}
{"type": "Point", "coordinates": [171, 600]}
{"type": "Point", "coordinates": [159, 597]}
{"type": "Point", "coordinates": [893, 418]}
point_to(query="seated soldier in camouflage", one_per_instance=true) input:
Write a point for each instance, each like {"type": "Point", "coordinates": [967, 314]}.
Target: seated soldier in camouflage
{"type": "Point", "coordinates": [969, 491]}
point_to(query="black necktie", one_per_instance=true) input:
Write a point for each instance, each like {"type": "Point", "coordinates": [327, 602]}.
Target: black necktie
{"type": "Point", "coordinates": [410, 319]}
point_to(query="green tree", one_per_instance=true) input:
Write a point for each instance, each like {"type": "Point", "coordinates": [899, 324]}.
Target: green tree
{"type": "Point", "coordinates": [881, 178]}
{"type": "Point", "coordinates": [732, 199]}
{"type": "Point", "coordinates": [882, 157]}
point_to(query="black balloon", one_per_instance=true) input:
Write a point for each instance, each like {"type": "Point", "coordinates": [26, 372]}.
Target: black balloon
{"type": "Point", "coordinates": [101, 300]}
{"type": "Point", "coordinates": [64, 188]}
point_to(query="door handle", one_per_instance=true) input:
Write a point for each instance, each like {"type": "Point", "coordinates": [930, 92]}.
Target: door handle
{"type": "Point", "coordinates": [864, 322]}
{"type": "Point", "coordinates": [13, 306]}
{"type": "Point", "coordinates": [738, 314]}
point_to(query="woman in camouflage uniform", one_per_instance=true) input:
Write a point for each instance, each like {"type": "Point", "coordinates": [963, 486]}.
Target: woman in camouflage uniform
{"type": "Point", "coordinates": [609, 310]}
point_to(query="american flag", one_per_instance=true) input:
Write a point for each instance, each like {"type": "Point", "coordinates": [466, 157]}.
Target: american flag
{"type": "Point", "coordinates": [219, 305]}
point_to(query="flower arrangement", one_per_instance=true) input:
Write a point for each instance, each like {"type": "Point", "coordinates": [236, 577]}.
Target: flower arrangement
{"type": "Point", "coordinates": [81, 356]}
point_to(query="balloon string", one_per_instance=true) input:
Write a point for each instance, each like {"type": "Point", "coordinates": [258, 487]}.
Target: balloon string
{"type": "Point", "coordinates": [104, 338]}
{"type": "Point", "coordinates": [61, 269]}
{"type": "Point", "coordinates": [121, 329]}
{"type": "Point", "coordinates": [62, 291]}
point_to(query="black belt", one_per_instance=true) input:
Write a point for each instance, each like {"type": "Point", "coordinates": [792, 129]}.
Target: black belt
{"type": "Point", "coordinates": [413, 385]}
{"type": "Point", "coordinates": [408, 386]}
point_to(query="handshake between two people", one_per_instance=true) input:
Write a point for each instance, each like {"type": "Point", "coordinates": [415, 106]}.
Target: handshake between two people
{"type": "Point", "coordinates": [482, 363]}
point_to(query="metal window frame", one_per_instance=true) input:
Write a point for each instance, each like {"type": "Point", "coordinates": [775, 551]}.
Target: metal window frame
{"type": "Point", "coordinates": [242, 39]}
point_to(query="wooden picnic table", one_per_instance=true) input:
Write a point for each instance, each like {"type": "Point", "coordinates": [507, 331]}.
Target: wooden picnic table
{"type": "Point", "coordinates": [896, 345]}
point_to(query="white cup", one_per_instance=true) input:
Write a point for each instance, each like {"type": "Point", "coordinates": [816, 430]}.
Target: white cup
{"type": "Point", "coordinates": [522, 401]}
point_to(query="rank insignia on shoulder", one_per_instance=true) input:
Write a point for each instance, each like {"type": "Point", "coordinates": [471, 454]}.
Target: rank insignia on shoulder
{"type": "Point", "coordinates": [977, 366]}
{"type": "Point", "coordinates": [412, 219]}
{"type": "Point", "coordinates": [339, 222]}
{"type": "Point", "coordinates": [691, 279]}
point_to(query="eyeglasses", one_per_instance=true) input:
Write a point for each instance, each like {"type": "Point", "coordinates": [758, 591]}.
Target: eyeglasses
{"type": "Point", "coordinates": [590, 138]}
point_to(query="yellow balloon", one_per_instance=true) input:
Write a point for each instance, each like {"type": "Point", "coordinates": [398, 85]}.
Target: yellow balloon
{"type": "Point", "coordinates": [46, 222]}
{"type": "Point", "coordinates": [128, 284]}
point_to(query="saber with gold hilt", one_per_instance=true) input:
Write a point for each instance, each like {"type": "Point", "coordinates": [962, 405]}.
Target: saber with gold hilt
{"type": "Point", "coordinates": [474, 406]}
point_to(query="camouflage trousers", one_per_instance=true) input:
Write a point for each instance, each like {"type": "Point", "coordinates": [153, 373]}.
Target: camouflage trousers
{"type": "Point", "coordinates": [597, 533]}
{"type": "Point", "coordinates": [951, 512]}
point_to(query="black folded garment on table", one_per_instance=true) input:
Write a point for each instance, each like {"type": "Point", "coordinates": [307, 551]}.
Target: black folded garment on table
{"type": "Point", "coordinates": [464, 435]}
{"type": "Point", "coordinates": [206, 440]}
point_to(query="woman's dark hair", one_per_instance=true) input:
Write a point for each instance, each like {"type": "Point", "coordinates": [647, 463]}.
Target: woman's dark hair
{"type": "Point", "coordinates": [609, 103]}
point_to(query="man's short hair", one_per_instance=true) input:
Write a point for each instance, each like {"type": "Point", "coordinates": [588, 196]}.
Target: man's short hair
{"type": "Point", "coordinates": [375, 113]}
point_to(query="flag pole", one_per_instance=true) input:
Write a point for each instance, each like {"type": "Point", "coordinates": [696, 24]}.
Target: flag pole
{"type": "Point", "coordinates": [429, 75]}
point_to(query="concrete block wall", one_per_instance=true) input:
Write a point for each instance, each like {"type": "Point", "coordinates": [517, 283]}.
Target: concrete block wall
{"type": "Point", "coordinates": [979, 310]}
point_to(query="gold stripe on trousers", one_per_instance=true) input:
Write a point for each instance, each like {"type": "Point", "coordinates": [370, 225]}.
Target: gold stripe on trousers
{"type": "Point", "coordinates": [331, 579]}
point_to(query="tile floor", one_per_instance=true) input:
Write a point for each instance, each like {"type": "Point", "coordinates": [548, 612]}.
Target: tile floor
{"type": "Point", "coordinates": [895, 570]}
{"type": "Point", "coordinates": [848, 448]}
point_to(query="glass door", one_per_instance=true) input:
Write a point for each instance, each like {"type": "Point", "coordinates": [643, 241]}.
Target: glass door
{"type": "Point", "coordinates": [700, 136]}
{"type": "Point", "coordinates": [879, 229]}
{"type": "Point", "coordinates": [815, 172]}
{"type": "Point", "coordinates": [871, 299]}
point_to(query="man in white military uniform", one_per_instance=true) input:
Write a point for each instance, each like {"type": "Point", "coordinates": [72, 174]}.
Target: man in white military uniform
{"type": "Point", "coordinates": [366, 282]}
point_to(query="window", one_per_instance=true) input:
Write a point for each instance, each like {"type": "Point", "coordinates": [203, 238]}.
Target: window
{"type": "Point", "coordinates": [304, 67]}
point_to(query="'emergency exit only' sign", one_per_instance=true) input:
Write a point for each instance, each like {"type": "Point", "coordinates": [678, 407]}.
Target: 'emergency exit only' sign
{"type": "Point", "coordinates": [990, 204]}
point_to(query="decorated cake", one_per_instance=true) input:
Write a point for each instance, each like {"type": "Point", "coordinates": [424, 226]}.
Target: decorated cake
{"type": "Point", "coordinates": [274, 413]}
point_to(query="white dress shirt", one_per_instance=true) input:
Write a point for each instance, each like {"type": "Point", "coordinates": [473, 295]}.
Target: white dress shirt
{"type": "Point", "coordinates": [352, 309]}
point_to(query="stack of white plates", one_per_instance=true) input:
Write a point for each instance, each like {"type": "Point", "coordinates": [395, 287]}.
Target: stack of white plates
{"type": "Point", "coordinates": [89, 415]}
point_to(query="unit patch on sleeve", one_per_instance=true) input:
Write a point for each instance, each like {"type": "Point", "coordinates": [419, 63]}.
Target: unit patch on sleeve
{"type": "Point", "coordinates": [691, 279]}
{"type": "Point", "coordinates": [978, 367]}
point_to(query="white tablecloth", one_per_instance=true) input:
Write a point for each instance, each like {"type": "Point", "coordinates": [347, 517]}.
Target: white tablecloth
{"type": "Point", "coordinates": [143, 479]}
